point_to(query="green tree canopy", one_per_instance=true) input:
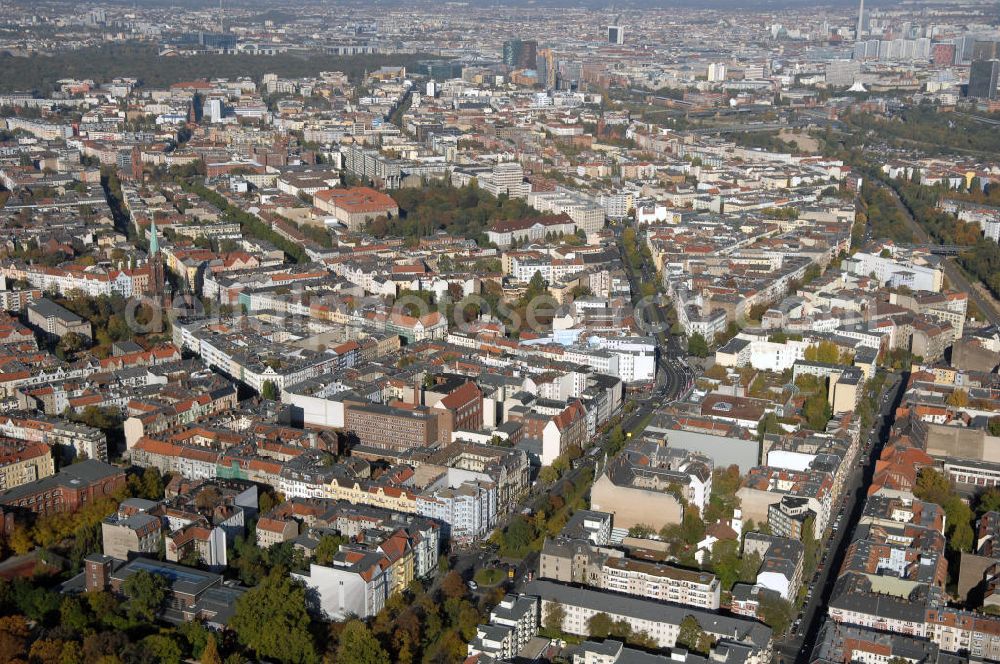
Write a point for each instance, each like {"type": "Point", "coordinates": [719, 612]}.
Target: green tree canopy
{"type": "Point", "coordinates": [359, 646]}
{"type": "Point", "coordinates": [775, 612]}
{"type": "Point", "coordinates": [697, 345]}
{"type": "Point", "coordinates": [725, 562]}
{"type": "Point", "coordinates": [988, 501]}
{"type": "Point", "coordinates": [554, 617]}
{"type": "Point", "coordinates": [162, 649]}
{"type": "Point", "coordinates": [518, 537]}
{"type": "Point", "coordinates": [271, 620]}
{"type": "Point", "coordinates": [146, 592]}
{"type": "Point", "coordinates": [817, 410]}
{"type": "Point", "coordinates": [825, 351]}
{"type": "Point", "coordinates": [692, 526]}
{"type": "Point", "coordinates": [692, 636]}
{"type": "Point", "coordinates": [599, 626]}
{"type": "Point", "coordinates": [327, 548]}
{"type": "Point", "coordinates": [269, 391]}
{"type": "Point", "coordinates": [536, 286]}
{"type": "Point", "coordinates": [641, 531]}
{"type": "Point", "coordinates": [934, 487]}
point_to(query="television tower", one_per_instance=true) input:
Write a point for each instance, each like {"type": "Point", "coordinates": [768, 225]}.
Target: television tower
{"type": "Point", "coordinates": [861, 20]}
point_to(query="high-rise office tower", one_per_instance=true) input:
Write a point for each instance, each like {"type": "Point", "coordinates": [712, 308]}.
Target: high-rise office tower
{"type": "Point", "coordinates": [616, 34]}
{"type": "Point", "coordinates": [985, 49]}
{"type": "Point", "coordinates": [547, 68]}
{"type": "Point", "coordinates": [213, 110]}
{"type": "Point", "coordinates": [922, 48]}
{"type": "Point", "coordinates": [520, 54]}
{"type": "Point", "coordinates": [983, 77]}
{"type": "Point", "coordinates": [963, 49]}
{"type": "Point", "coordinates": [943, 54]}
{"type": "Point", "coordinates": [842, 73]}
{"type": "Point", "coordinates": [570, 74]}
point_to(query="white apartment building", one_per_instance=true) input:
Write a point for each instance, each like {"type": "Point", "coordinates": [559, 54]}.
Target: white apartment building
{"type": "Point", "coordinates": [661, 582]}
{"type": "Point", "coordinates": [355, 585]}
{"type": "Point", "coordinates": [893, 273]}
{"type": "Point", "coordinates": [513, 623]}
{"type": "Point", "coordinates": [660, 621]}
{"type": "Point", "coordinates": [584, 212]}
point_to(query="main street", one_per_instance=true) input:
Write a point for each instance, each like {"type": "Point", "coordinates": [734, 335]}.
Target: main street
{"type": "Point", "coordinates": [673, 379]}
{"type": "Point", "coordinates": [674, 376]}
{"type": "Point", "coordinates": [797, 647]}
{"type": "Point", "coordinates": [467, 561]}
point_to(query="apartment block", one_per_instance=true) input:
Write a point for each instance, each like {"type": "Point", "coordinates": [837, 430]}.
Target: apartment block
{"type": "Point", "coordinates": [22, 463]}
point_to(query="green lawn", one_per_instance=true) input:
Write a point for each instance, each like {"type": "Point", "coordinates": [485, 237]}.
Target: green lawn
{"type": "Point", "coordinates": [489, 576]}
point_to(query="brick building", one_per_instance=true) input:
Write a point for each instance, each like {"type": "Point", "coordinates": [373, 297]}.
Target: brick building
{"type": "Point", "coordinates": [461, 410]}
{"type": "Point", "coordinates": [68, 490]}
{"type": "Point", "coordinates": [388, 427]}
{"type": "Point", "coordinates": [355, 206]}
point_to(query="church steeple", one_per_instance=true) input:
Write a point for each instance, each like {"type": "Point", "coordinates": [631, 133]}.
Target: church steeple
{"type": "Point", "coordinates": [156, 276]}
{"type": "Point", "coordinates": [154, 240]}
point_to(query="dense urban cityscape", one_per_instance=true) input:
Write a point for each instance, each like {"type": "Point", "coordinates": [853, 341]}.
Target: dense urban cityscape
{"type": "Point", "coordinates": [448, 333]}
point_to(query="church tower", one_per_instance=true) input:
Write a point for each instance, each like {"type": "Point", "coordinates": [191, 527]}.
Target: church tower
{"type": "Point", "coordinates": [156, 280]}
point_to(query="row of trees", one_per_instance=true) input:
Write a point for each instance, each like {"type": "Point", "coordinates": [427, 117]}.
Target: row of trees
{"type": "Point", "coordinates": [599, 626]}
{"type": "Point", "coordinates": [560, 465]}
{"type": "Point", "coordinates": [637, 254]}
{"type": "Point", "coordinates": [526, 533]}
{"type": "Point", "coordinates": [249, 224]}
{"type": "Point", "coordinates": [922, 203]}
{"type": "Point", "coordinates": [982, 261]}
{"type": "Point", "coordinates": [764, 140]}
{"type": "Point", "coordinates": [828, 352]}
{"type": "Point", "coordinates": [936, 488]}
{"type": "Point", "coordinates": [879, 208]}
{"type": "Point", "coordinates": [41, 73]}
{"type": "Point", "coordinates": [924, 126]}
{"type": "Point", "coordinates": [868, 404]}
{"type": "Point", "coordinates": [986, 193]}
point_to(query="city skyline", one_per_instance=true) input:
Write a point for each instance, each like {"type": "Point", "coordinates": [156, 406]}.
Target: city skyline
{"type": "Point", "coordinates": [465, 333]}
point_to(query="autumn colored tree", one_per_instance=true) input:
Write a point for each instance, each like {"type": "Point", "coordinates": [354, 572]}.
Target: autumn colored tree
{"type": "Point", "coordinates": [452, 586]}
{"type": "Point", "coordinates": [210, 655]}
{"type": "Point", "coordinates": [14, 635]}
{"type": "Point", "coordinates": [48, 651]}
{"type": "Point", "coordinates": [958, 398]}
